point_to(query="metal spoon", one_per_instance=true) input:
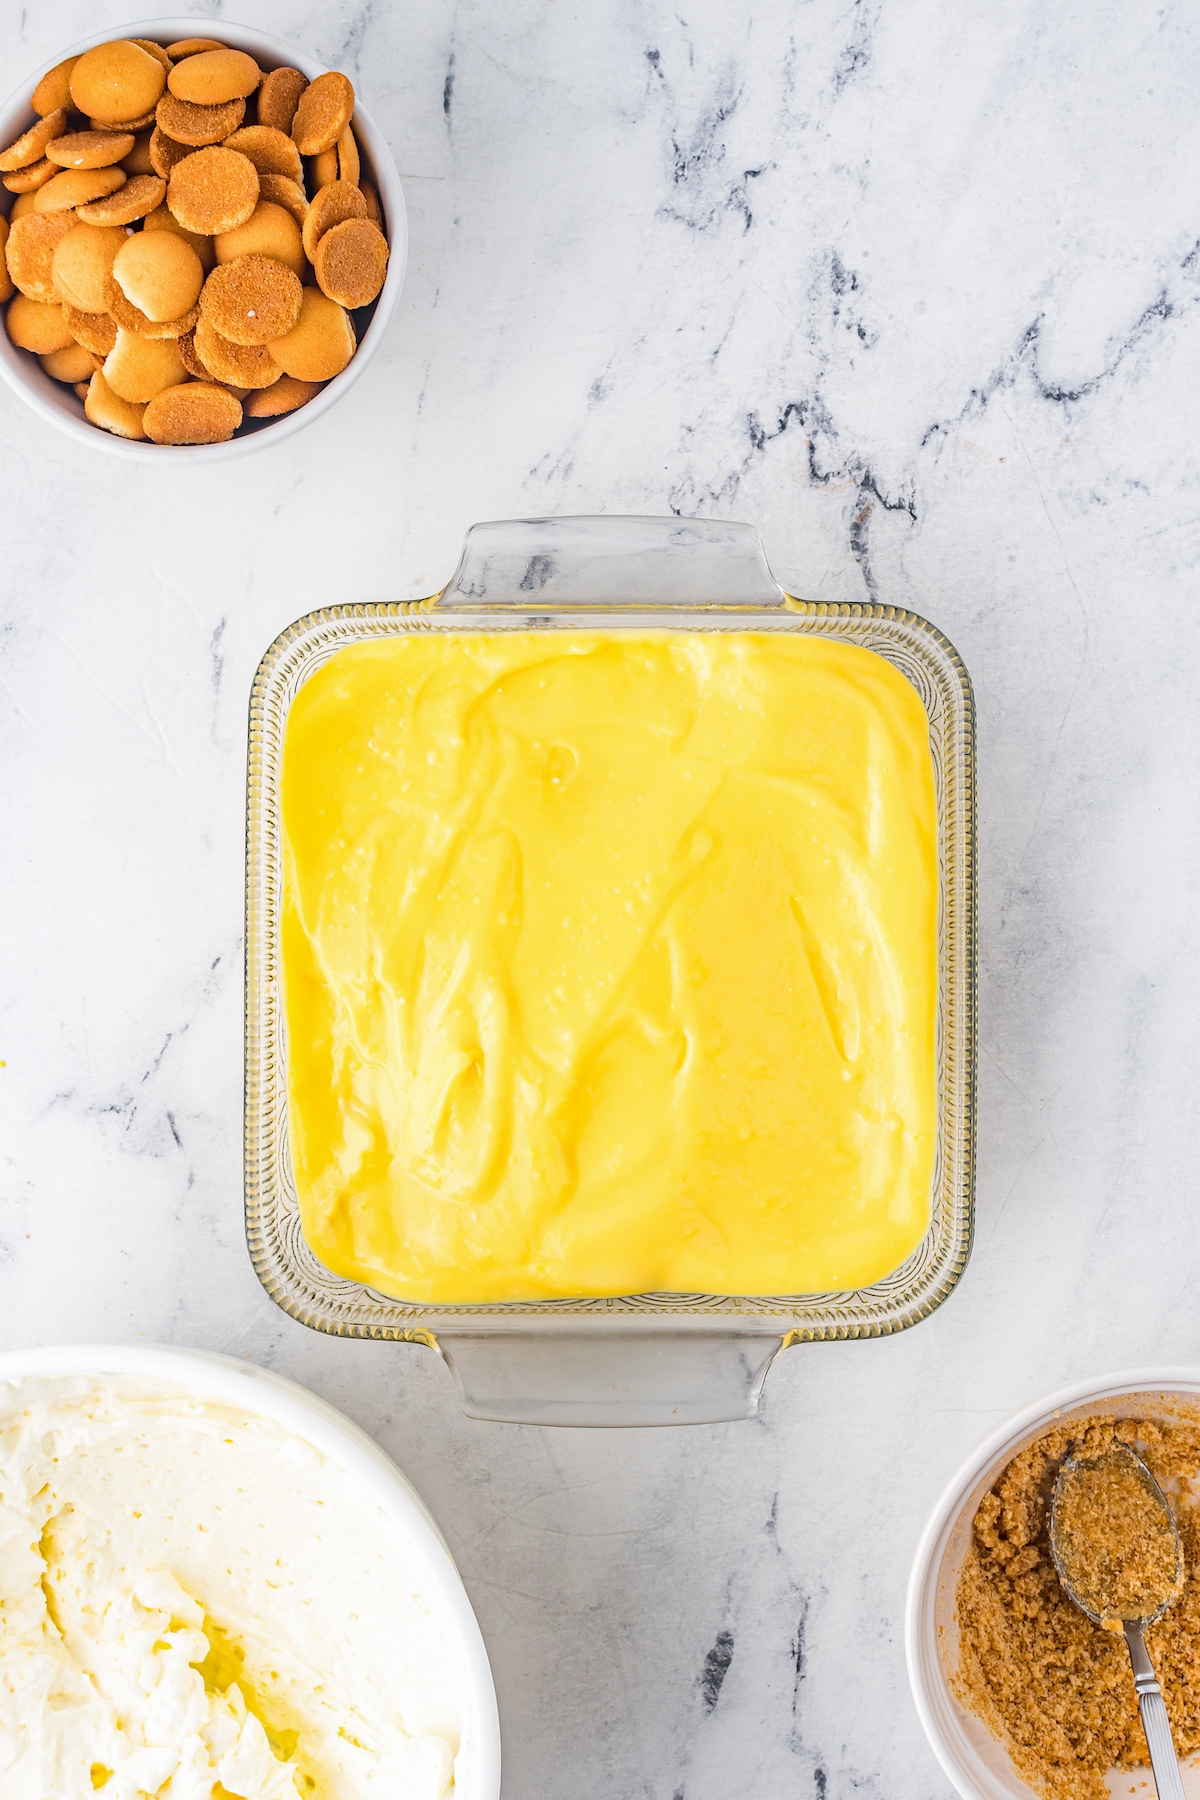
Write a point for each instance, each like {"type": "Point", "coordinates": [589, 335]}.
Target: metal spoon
{"type": "Point", "coordinates": [1156, 1725]}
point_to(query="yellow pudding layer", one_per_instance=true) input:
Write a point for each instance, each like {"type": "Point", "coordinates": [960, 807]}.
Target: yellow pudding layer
{"type": "Point", "coordinates": [610, 963]}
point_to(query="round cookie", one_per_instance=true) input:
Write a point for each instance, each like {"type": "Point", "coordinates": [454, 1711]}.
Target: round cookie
{"type": "Point", "coordinates": [213, 190]}
{"type": "Point", "coordinates": [370, 194]}
{"type": "Point", "coordinates": [127, 125]}
{"type": "Point", "coordinates": [279, 96]}
{"type": "Point", "coordinates": [349, 166]}
{"type": "Point", "coordinates": [197, 126]}
{"type": "Point", "coordinates": [212, 77]}
{"type": "Point", "coordinates": [116, 81]}
{"type": "Point", "coordinates": [7, 289]}
{"type": "Point", "coordinates": [272, 152]}
{"type": "Point", "coordinates": [269, 231]}
{"type": "Point", "coordinates": [288, 194]}
{"type": "Point", "coordinates": [334, 203]}
{"type": "Point", "coordinates": [191, 47]}
{"type": "Point", "coordinates": [320, 344]}
{"type": "Point", "coordinates": [27, 181]}
{"type": "Point", "coordinates": [252, 300]}
{"type": "Point", "coordinates": [324, 169]}
{"type": "Point", "coordinates": [53, 91]}
{"type": "Point", "coordinates": [33, 144]}
{"type": "Point", "coordinates": [105, 408]}
{"type": "Point", "coordinates": [154, 50]}
{"type": "Point", "coordinates": [71, 364]}
{"type": "Point", "coordinates": [29, 253]}
{"type": "Point", "coordinates": [129, 317]}
{"type": "Point", "coordinates": [37, 326]}
{"type": "Point", "coordinates": [351, 262]}
{"type": "Point", "coordinates": [187, 350]}
{"type": "Point", "coordinates": [138, 161]}
{"type": "Point", "coordinates": [323, 112]}
{"type": "Point", "coordinates": [97, 332]}
{"type": "Point", "coordinates": [163, 219]}
{"type": "Point", "coordinates": [283, 397]}
{"type": "Point", "coordinates": [90, 149]}
{"type": "Point", "coordinates": [76, 187]}
{"type": "Point", "coordinates": [24, 203]}
{"type": "Point", "coordinates": [238, 364]}
{"type": "Point", "coordinates": [138, 368]}
{"type": "Point", "coordinates": [138, 197]}
{"type": "Point", "coordinates": [83, 263]}
{"type": "Point", "coordinates": [165, 154]}
{"type": "Point", "coordinates": [199, 412]}
{"type": "Point", "coordinates": [159, 273]}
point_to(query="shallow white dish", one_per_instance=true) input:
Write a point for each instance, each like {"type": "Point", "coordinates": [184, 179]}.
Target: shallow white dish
{"type": "Point", "coordinates": [57, 404]}
{"type": "Point", "coordinates": [477, 1768]}
{"type": "Point", "coordinates": [976, 1762]}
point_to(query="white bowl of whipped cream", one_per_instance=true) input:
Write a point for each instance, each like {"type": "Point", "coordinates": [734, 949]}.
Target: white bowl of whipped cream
{"type": "Point", "coordinates": [214, 1584]}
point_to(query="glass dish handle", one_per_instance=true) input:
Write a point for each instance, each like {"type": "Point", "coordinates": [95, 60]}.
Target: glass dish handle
{"type": "Point", "coordinates": [584, 1374]}
{"type": "Point", "coordinates": [543, 565]}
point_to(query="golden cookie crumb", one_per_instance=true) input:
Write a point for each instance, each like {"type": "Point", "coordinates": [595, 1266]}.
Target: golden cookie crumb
{"type": "Point", "coordinates": [323, 112]}
{"type": "Point", "coordinates": [1055, 1688]}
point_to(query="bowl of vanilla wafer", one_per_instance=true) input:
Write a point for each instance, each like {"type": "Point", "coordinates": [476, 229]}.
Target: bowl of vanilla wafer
{"type": "Point", "coordinates": [203, 238]}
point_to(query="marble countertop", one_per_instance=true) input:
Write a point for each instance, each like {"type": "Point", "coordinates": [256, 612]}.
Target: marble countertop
{"type": "Point", "coordinates": [911, 287]}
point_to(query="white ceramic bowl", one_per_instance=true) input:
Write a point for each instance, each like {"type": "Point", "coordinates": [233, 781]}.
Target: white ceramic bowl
{"type": "Point", "coordinates": [57, 403]}
{"type": "Point", "coordinates": [977, 1763]}
{"type": "Point", "coordinates": [477, 1768]}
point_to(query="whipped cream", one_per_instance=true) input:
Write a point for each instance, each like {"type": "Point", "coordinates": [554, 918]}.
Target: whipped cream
{"type": "Point", "coordinates": [194, 1603]}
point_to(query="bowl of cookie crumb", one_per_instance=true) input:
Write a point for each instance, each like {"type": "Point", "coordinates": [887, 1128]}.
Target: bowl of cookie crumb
{"type": "Point", "coordinates": [1020, 1693]}
{"type": "Point", "coordinates": [210, 270]}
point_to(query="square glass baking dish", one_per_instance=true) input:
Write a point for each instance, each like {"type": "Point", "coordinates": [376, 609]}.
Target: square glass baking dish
{"type": "Point", "coordinates": [643, 1359]}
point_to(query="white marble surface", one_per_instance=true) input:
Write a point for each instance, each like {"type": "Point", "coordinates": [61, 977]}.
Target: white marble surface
{"type": "Point", "coordinates": [910, 285]}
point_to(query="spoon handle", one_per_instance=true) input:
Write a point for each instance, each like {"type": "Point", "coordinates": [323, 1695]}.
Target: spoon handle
{"type": "Point", "coordinates": [1155, 1723]}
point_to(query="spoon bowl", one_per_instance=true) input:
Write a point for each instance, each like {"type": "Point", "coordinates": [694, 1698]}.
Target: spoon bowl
{"type": "Point", "coordinates": [1069, 1561]}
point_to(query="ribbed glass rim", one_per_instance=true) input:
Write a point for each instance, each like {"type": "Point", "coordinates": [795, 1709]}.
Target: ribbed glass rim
{"type": "Point", "coordinates": [312, 1294]}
